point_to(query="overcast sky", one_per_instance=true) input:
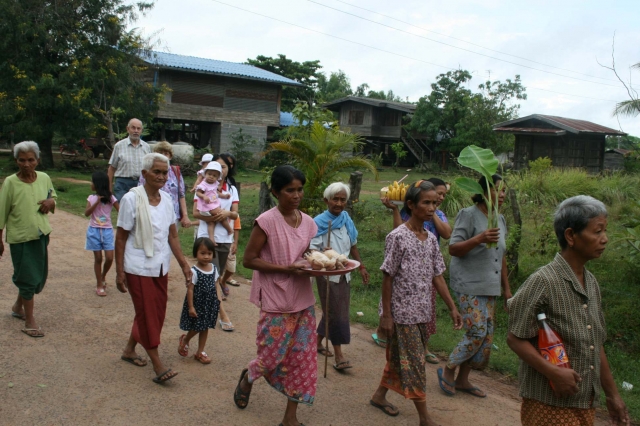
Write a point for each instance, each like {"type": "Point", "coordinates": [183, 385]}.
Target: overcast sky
{"type": "Point", "coordinates": [561, 39]}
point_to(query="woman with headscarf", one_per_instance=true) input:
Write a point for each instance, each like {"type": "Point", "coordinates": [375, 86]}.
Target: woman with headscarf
{"type": "Point", "coordinates": [26, 199]}
{"type": "Point", "coordinates": [344, 237]}
{"type": "Point", "coordinates": [145, 239]}
{"type": "Point", "coordinates": [569, 296]}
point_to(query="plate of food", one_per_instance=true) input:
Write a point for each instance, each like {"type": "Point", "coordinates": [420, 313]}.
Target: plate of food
{"type": "Point", "coordinates": [329, 262]}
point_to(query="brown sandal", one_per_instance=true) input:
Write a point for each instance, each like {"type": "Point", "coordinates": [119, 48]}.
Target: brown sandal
{"type": "Point", "coordinates": [183, 348]}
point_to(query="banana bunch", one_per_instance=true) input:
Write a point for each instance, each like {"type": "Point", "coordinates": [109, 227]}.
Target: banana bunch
{"type": "Point", "coordinates": [396, 191]}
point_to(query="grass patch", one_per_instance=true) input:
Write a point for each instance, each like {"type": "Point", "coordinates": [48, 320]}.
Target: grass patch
{"type": "Point", "coordinates": [538, 196]}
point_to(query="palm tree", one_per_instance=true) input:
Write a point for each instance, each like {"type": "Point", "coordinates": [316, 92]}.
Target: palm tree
{"type": "Point", "coordinates": [321, 154]}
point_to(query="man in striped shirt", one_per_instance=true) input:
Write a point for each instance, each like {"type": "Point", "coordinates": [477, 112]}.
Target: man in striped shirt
{"type": "Point", "coordinates": [126, 160]}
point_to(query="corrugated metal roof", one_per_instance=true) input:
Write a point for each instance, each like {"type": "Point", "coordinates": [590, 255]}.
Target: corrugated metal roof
{"type": "Point", "coordinates": [569, 124]}
{"type": "Point", "coordinates": [400, 106]}
{"type": "Point", "coordinates": [287, 119]}
{"type": "Point", "coordinates": [213, 66]}
{"type": "Point", "coordinates": [530, 130]}
{"type": "Point", "coordinates": [621, 151]}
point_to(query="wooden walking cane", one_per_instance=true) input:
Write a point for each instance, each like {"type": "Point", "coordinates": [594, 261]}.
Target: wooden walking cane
{"type": "Point", "coordinates": [326, 314]}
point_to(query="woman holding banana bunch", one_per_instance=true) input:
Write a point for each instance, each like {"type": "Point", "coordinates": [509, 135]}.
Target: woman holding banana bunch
{"type": "Point", "coordinates": [477, 275]}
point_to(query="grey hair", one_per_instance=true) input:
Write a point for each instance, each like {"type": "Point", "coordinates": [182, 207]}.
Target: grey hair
{"type": "Point", "coordinates": [26, 146]}
{"type": "Point", "coordinates": [335, 188]}
{"type": "Point", "coordinates": [575, 213]}
{"type": "Point", "coordinates": [149, 159]}
{"type": "Point", "coordinates": [413, 193]}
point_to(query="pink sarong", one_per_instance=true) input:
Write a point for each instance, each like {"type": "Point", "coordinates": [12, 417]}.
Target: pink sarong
{"type": "Point", "coordinates": [149, 296]}
{"type": "Point", "coordinates": [287, 354]}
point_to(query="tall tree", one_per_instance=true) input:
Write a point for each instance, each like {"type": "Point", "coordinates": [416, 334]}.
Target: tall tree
{"type": "Point", "coordinates": [456, 117]}
{"type": "Point", "coordinates": [336, 86]}
{"type": "Point", "coordinates": [53, 55]}
{"type": "Point", "coordinates": [303, 72]}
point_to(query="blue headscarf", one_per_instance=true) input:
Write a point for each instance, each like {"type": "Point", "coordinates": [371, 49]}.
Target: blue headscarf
{"type": "Point", "coordinates": [337, 222]}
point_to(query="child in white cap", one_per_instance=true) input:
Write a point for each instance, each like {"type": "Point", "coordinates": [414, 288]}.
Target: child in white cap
{"type": "Point", "coordinates": [206, 159]}
{"type": "Point", "coordinates": [208, 196]}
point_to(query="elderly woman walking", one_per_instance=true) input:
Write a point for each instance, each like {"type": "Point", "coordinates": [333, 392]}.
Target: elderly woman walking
{"type": "Point", "coordinates": [412, 265]}
{"type": "Point", "coordinates": [174, 186]}
{"type": "Point", "coordinates": [569, 296]}
{"type": "Point", "coordinates": [145, 239]}
{"type": "Point", "coordinates": [282, 289]}
{"type": "Point", "coordinates": [477, 276]}
{"type": "Point", "coordinates": [25, 200]}
{"type": "Point", "coordinates": [344, 237]}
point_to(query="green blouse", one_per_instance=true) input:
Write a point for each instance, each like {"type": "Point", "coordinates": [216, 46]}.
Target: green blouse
{"type": "Point", "coordinates": [19, 208]}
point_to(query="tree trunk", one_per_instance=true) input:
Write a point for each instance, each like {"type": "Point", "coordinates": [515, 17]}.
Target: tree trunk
{"type": "Point", "coordinates": [355, 184]}
{"type": "Point", "coordinates": [264, 199]}
{"type": "Point", "coordinates": [46, 152]}
{"type": "Point", "coordinates": [514, 247]}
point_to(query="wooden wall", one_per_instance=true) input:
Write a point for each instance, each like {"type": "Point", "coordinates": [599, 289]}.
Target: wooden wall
{"type": "Point", "coordinates": [375, 121]}
{"type": "Point", "coordinates": [569, 150]}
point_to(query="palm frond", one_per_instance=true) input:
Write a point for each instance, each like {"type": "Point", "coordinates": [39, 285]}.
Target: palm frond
{"type": "Point", "coordinates": [630, 108]}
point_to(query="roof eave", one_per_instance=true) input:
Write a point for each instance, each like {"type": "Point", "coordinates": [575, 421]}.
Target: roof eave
{"type": "Point", "coordinates": [243, 77]}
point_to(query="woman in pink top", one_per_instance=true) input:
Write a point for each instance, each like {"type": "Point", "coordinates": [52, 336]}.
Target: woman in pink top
{"type": "Point", "coordinates": [282, 290]}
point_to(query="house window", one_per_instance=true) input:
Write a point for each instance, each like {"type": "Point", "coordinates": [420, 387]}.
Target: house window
{"type": "Point", "coordinates": [389, 118]}
{"type": "Point", "coordinates": [356, 117]}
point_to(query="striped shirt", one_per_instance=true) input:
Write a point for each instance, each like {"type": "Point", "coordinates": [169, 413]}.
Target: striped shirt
{"type": "Point", "coordinates": [127, 158]}
{"type": "Point", "coordinates": [575, 313]}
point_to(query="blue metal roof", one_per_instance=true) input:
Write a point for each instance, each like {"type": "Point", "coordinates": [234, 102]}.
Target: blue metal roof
{"type": "Point", "coordinates": [213, 66]}
{"type": "Point", "coordinates": [286, 119]}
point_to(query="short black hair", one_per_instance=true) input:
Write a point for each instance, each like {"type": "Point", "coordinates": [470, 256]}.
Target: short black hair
{"type": "Point", "coordinates": [437, 181]}
{"type": "Point", "coordinates": [414, 191]}
{"type": "Point", "coordinates": [203, 241]}
{"type": "Point", "coordinates": [284, 175]}
{"type": "Point", "coordinates": [477, 198]}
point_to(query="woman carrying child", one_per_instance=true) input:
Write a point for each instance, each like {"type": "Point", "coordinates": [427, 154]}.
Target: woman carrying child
{"type": "Point", "coordinates": [100, 230]}
{"type": "Point", "coordinates": [412, 265]}
{"type": "Point", "coordinates": [201, 304]}
{"type": "Point", "coordinates": [208, 195]}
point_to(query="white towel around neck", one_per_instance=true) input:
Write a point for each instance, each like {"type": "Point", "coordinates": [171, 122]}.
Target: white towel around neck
{"type": "Point", "coordinates": [144, 229]}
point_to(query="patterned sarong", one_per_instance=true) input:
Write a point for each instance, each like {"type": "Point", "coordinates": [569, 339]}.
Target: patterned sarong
{"type": "Point", "coordinates": [405, 370]}
{"type": "Point", "coordinates": [287, 356]}
{"type": "Point", "coordinates": [474, 349]}
{"type": "Point", "coordinates": [535, 413]}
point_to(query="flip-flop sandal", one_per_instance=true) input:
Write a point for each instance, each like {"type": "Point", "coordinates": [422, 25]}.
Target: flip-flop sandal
{"type": "Point", "coordinates": [325, 352]}
{"type": "Point", "coordinates": [344, 365]}
{"type": "Point", "coordinates": [159, 379]}
{"type": "Point", "coordinates": [238, 395]}
{"type": "Point", "coordinates": [385, 408]}
{"type": "Point", "coordinates": [17, 315]}
{"type": "Point", "coordinates": [233, 283]}
{"type": "Point", "coordinates": [432, 359]}
{"type": "Point", "coordinates": [183, 349]}
{"type": "Point", "coordinates": [225, 290]}
{"type": "Point", "coordinates": [226, 326]}
{"type": "Point", "coordinates": [33, 332]}
{"type": "Point", "coordinates": [100, 292]}
{"type": "Point", "coordinates": [442, 381]}
{"type": "Point", "coordinates": [202, 357]}
{"type": "Point", "coordinates": [143, 362]}
{"type": "Point", "coordinates": [473, 391]}
{"type": "Point", "coordinates": [380, 342]}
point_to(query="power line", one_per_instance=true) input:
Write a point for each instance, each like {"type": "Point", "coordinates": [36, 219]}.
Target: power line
{"type": "Point", "coordinates": [471, 43]}
{"type": "Point", "coordinates": [461, 48]}
{"type": "Point", "coordinates": [377, 48]}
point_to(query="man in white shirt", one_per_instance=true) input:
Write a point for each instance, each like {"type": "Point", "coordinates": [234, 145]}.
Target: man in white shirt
{"type": "Point", "coordinates": [126, 160]}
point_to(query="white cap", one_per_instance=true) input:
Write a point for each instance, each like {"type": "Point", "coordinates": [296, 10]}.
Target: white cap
{"type": "Point", "coordinates": [206, 158]}
{"type": "Point", "coordinates": [213, 165]}
{"type": "Point", "coordinates": [542, 316]}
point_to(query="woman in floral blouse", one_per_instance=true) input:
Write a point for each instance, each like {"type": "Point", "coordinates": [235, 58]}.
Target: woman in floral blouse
{"type": "Point", "coordinates": [412, 266]}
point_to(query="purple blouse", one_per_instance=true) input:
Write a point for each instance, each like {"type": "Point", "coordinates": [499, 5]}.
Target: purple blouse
{"type": "Point", "coordinates": [412, 264]}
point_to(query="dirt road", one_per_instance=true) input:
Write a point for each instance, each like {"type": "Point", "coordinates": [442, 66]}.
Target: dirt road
{"type": "Point", "coordinates": [74, 375]}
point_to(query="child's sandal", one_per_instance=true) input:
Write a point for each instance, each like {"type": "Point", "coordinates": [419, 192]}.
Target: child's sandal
{"type": "Point", "coordinates": [202, 357]}
{"type": "Point", "coordinates": [183, 349]}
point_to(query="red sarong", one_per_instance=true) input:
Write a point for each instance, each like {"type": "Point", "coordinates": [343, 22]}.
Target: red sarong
{"type": "Point", "coordinates": [149, 296]}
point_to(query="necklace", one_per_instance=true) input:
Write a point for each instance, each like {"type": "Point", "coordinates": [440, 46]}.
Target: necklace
{"type": "Point", "coordinates": [412, 229]}
{"type": "Point", "coordinates": [296, 214]}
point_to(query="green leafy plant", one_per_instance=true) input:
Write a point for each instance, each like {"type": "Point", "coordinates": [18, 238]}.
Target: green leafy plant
{"type": "Point", "coordinates": [484, 162]}
{"type": "Point", "coordinates": [398, 149]}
